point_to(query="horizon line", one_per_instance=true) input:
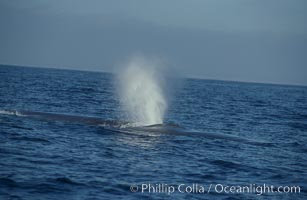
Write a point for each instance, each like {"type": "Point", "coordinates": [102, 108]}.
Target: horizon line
{"type": "Point", "coordinates": [186, 77]}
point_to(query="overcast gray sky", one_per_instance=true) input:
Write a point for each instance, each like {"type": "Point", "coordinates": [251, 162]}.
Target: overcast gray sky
{"type": "Point", "coordinates": [243, 40]}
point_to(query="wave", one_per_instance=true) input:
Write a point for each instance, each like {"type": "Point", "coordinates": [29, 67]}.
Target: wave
{"type": "Point", "coordinates": [66, 180]}
{"type": "Point", "coordinates": [6, 181]}
{"type": "Point", "coordinates": [30, 139]}
{"type": "Point", "coordinates": [10, 112]}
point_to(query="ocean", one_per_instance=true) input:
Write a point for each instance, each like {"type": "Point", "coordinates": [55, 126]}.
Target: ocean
{"type": "Point", "coordinates": [60, 139]}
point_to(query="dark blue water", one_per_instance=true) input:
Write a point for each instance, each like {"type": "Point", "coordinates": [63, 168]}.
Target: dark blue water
{"type": "Point", "coordinates": [54, 159]}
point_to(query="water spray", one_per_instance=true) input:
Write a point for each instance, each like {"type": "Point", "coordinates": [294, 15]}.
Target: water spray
{"type": "Point", "coordinates": [141, 92]}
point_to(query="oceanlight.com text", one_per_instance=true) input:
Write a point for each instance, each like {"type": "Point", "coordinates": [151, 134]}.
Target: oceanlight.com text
{"type": "Point", "coordinates": [196, 188]}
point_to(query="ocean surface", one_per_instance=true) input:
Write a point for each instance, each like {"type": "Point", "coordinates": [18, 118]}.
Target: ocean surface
{"type": "Point", "coordinates": [220, 134]}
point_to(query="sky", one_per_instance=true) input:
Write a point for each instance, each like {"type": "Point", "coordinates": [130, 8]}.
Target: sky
{"type": "Point", "coordinates": [240, 40]}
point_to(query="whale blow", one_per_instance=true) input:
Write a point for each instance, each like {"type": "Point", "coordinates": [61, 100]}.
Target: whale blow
{"type": "Point", "coordinates": [141, 92]}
